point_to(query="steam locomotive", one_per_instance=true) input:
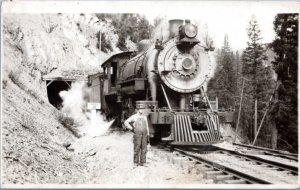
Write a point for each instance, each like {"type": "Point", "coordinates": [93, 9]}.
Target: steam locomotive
{"type": "Point", "coordinates": [166, 78]}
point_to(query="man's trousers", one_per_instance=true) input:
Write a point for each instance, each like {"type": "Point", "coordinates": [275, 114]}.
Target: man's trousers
{"type": "Point", "coordinates": [140, 148]}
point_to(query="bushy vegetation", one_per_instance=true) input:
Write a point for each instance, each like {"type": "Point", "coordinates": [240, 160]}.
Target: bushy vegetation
{"type": "Point", "coordinates": [68, 123]}
{"type": "Point", "coordinates": [106, 45]}
{"type": "Point", "coordinates": [15, 77]}
{"type": "Point", "coordinates": [128, 25]}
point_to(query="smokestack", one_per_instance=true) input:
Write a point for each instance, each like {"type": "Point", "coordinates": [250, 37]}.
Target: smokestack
{"type": "Point", "coordinates": [174, 25]}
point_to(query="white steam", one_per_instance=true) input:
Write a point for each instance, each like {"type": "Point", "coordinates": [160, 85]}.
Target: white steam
{"type": "Point", "coordinates": [75, 103]}
{"type": "Point", "coordinates": [161, 31]}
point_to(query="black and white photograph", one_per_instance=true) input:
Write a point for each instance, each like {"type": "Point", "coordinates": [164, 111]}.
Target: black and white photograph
{"type": "Point", "coordinates": [149, 94]}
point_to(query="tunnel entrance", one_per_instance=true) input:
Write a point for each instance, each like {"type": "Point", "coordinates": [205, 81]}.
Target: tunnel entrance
{"type": "Point", "coordinates": [61, 80]}
{"type": "Point", "coordinates": [53, 89]}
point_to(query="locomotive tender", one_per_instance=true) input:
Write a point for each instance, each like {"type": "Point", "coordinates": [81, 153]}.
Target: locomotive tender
{"type": "Point", "coordinates": [167, 79]}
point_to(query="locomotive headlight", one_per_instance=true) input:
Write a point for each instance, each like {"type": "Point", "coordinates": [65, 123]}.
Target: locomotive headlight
{"type": "Point", "coordinates": [190, 31]}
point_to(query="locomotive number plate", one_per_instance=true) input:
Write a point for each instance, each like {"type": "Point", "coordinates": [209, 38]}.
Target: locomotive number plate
{"type": "Point", "coordinates": [93, 106]}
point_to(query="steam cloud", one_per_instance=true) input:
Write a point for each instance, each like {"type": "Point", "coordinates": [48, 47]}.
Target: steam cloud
{"type": "Point", "coordinates": [161, 31]}
{"type": "Point", "coordinates": [75, 103]}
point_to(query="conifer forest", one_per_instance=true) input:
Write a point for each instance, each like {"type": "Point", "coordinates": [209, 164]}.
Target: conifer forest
{"type": "Point", "coordinates": [267, 73]}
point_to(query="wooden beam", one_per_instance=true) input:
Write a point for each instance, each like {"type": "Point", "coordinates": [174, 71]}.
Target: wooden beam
{"type": "Point", "coordinates": [238, 120]}
{"type": "Point", "coordinates": [67, 83]}
{"type": "Point", "coordinates": [50, 82]}
{"type": "Point", "coordinates": [255, 118]}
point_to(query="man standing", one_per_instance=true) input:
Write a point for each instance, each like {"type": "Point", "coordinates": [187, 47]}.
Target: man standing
{"type": "Point", "coordinates": [140, 129]}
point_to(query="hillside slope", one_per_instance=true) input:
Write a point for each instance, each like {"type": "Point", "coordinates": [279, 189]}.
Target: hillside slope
{"type": "Point", "coordinates": [34, 141]}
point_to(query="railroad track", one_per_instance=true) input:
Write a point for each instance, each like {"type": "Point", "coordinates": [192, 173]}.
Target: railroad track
{"type": "Point", "coordinates": [211, 170]}
{"type": "Point", "coordinates": [257, 160]}
{"type": "Point", "coordinates": [222, 173]}
{"type": "Point", "coordinates": [267, 151]}
{"type": "Point", "coordinates": [261, 161]}
{"type": "Point", "coordinates": [247, 157]}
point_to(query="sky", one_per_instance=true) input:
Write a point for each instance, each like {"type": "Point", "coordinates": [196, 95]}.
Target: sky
{"type": "Point", "coordinates": [234, 24]}
{"type": "Point", "coordinates": [231, 17]}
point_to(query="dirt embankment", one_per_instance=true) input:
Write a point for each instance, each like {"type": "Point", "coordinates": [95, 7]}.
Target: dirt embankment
{"type": "Point", "coordinates": [33, 140]}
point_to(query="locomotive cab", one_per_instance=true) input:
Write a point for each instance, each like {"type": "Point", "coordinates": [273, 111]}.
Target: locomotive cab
{"type": "Point", "coordinates": [111, 71]}
{"type": "Point", "coordinates": [109, 84]}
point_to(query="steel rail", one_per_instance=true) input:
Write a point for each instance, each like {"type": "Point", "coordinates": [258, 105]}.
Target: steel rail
{"type": "Point", "coordinates": [278, 152]}
{"type": "Point", "coordinates": [292, 169]}
{"type": "Point", "coordinates": [241, 175]}
{"type": "Point", "coordinates": [281, 156]}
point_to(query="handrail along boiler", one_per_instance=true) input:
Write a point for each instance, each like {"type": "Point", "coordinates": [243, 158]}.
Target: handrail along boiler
{"type": "Point", "coordinates": [166, 78]}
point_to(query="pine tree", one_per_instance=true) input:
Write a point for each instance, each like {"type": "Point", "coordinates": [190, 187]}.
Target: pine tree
{"type": "Point", "coordinates": [222, 85]}
{"type": "Point", "coordinates": [238, 76]}
{"type": "Point", "coordinates": [238, 65]}
{"type": "Point", "coordinates": [285, 110]}
{"type": "Point", "coordinates": [226, 46]}
{"type": "Point", "coordinates": [258, 84]}
{"type": "Point", "coordinates": [238, 69]}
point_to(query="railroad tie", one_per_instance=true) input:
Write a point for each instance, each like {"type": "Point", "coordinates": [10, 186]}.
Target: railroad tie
{"type": "Point", "coordinates": [188, 166]}
{"type": "Point", "coordinates": [235, 181]}
{"type": "Point", "coordinates": [179, 159]}
{"type": "Point", "coordinates": [187, 163]}
{"type": "Point", "coordinates": [169, 156]}
{"type": "Point", "coordinates": [221, 178]}
{"type": "Point", "coordinates": [212, 174]}
{"type": "Point", "coordinates": [201, 168]}
{"type": "Point", "coordinates": [158, 152]}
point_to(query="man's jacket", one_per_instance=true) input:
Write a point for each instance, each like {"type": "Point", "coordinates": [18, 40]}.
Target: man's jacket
{"type": "Point", "coordinates": [140, 124]}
